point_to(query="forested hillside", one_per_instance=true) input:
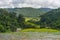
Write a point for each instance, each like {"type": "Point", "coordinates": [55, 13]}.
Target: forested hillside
{"type": "Point", "coordinates": [29, 12]}
{"type": "Point", "coordinates": [51, 19]}
{"type": "Point", "coordinates": [9, 21]}
{"type": "Point", "coordinates": [13, 18]}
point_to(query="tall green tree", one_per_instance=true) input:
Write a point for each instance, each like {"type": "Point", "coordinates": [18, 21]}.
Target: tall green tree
{"type": "Point", "coordinates": [21, 21]}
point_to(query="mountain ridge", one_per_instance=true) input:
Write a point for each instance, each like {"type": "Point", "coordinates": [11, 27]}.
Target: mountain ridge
{"type": "Point", "coordinates": [29, 12]}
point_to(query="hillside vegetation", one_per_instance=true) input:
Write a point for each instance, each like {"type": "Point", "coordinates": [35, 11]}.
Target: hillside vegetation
{"type": "Point", "coordinates": [9, 22]}
{"type": "Point", "coordinates": [29, 12]}
{"type": "Point", "coordinates": [51, 19]}
{"type": "Point", "coordinates": [26, 18]}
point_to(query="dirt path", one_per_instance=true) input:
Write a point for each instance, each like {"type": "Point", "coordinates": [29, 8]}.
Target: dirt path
{"type": "Point", "coordinates": [29, 36]}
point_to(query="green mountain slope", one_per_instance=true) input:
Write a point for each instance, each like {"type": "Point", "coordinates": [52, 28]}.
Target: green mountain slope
{"type": "Point", "coordinates": [30, 12]}
{"type": "Point", "coordinates": [51, 19]}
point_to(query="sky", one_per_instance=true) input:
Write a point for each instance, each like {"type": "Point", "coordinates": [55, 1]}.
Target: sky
{"type": "Point", "coordinates": [30, 3]}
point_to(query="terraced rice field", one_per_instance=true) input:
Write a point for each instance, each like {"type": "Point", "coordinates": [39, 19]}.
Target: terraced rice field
{"type": "Point", "coordinates": [30, 36]}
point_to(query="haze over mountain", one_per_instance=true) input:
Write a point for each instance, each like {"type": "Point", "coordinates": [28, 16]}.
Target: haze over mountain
{"type": "Point", "coordinates": [29, 12]}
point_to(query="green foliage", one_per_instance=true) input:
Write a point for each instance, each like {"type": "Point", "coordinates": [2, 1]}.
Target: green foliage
{"type": "Point", "coordinates": [30, 12]}
{"type": "Point", "coordinates": [2, 28]}
{"type": "Point", "coordinates": [31, 23]}
{"type": "Point", "coordinates": [51, 19]}
{"type": "Point", "coordinates": [9, 21]}
{"type": "Point", "coordinates": [21, 21]}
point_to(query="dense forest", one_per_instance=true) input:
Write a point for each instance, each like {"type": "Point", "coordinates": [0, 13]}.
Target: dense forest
{"type": "Point", "coordinates": [9, 21]}
{"type": "Point", "coordinates": [51, 19]}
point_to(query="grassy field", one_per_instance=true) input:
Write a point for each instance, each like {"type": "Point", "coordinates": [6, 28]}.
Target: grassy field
{"type": "Point", "coordinates": [32, 24]}
{"type": "Point", "coordinates": [32, 34]}
{"type": "Point", "coordinates": [37, 27]}
{"type": "Point", "coordinates": [39, 30]}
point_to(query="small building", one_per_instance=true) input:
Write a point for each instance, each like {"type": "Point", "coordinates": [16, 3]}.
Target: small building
{"type": "Point", "coordinates": [18, 29]}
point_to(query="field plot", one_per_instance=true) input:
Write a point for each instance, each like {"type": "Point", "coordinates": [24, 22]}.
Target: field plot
{"type": "Point", "coordinates": [30, 36]}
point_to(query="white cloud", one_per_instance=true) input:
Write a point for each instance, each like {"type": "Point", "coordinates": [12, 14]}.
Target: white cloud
{"type": "Point", "coordinates": [30, 3]}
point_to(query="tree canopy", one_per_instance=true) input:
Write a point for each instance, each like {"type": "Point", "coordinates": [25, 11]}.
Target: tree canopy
{"type": "Point", "coordinates": [51, 19]}
{"type": "Point", "coordinates": [9, 21]}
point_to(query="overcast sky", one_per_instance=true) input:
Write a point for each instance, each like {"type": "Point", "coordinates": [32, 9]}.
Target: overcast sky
{"type": "Point", "coordinates": [30, 3]}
